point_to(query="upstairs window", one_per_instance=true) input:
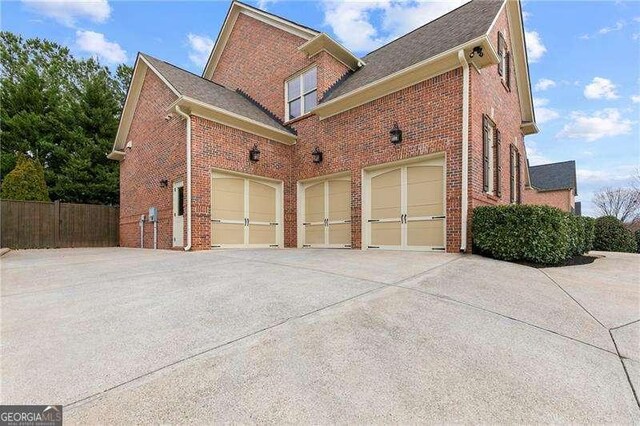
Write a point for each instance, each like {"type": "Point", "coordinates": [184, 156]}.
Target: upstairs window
{"type": "Point", "coordinates": [504, 66]}
{"type": "Point", "coordinates": [301, 94]}
{"type": "Point", "coordinates": [488, 155]}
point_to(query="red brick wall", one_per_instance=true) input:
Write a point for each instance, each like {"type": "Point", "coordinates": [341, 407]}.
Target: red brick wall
{"type": "Point", "coordinates": [158, 152]}
{"type": "Point", "coordinates": [218, 146]}
{"type": "Point", "coordinates": [490, 97]}
{"type": "Point", "coordinates": [429, 115]}
{"type": "Point", "coordinates": [562, 199]}
{"type": "Point", "coordinates": [259, 58]}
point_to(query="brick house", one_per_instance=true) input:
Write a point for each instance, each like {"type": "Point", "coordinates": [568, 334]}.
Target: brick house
{"type": "Point", "coordinates": [289, 140]}
{"type": "Point", "coordinates": [555, 185]}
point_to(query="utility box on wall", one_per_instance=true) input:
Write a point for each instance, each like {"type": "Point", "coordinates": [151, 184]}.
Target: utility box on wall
{"type": "Point", "coordinates": [153, 214]}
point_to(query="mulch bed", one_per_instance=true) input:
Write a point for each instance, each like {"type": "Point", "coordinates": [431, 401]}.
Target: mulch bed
{"type": "Point", "coordinates": [573, 261]}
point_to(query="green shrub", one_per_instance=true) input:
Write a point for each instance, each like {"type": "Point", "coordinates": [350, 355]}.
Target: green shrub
{"type": "Point", "coordinates": [611, 235]}
{"type": "Point", "coordinates": [538, 234]}
{"type": "Point", "coordinates": [25, 181]}
{"type": "Point", "coordinates": [589, 233]}
{"type": "Point", "coordinates": [637, 235]}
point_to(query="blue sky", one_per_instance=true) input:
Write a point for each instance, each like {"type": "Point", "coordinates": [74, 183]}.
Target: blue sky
{"type": "Point", "coordinates": [585, 58]}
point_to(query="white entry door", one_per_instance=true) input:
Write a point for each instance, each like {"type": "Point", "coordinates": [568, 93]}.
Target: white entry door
{"type": "Point", "coordinates": [326, 217]}
{"type": "Point", "coordinates": [178, 214]}
{"type": "Point", "coordinates": [406, 207]}
{"type": "Point", "coordinates": [245, 212]}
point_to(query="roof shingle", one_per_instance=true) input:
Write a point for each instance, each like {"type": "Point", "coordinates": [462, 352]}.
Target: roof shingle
{"type": "Point", "coordinates": [554, 176]}
{"type": "Point", "coordinates": [457, 27]}
{"type": "Point", "coordinates": [210, 93]}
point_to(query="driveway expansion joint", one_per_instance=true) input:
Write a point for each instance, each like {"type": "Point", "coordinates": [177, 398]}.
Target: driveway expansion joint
{"type": "Point", "coordinates": [573, 298]}
{"type": "Point", "coordinates": [624, 367]}
{"type": "Point", "coordinates": [470, 305]}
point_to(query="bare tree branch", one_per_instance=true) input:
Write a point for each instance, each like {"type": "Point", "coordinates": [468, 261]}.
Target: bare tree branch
{"type": "Point", "coordinates": [623, 203]}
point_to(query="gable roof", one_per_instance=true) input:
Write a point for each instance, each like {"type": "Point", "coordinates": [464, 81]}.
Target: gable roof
{"type": "Point", "coordinates": [461, 25]}
{"type": "Point", "coordinates": [197, 88]}
{"type": "Point", "coordinates": [554, 176]}
{"type": "Point", "coordinates": [235, 9]}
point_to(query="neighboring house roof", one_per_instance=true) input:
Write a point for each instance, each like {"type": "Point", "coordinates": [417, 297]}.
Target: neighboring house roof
{"type": "Point", "coordinates": [208, 92]}
{"type": "Point", "coordinates": [461, 25]}
{"type": "Point", "coordinates": [554, 176]}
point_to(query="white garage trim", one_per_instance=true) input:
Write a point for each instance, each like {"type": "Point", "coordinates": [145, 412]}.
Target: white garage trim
{"type": "Point", "coordinates": [438, 159]}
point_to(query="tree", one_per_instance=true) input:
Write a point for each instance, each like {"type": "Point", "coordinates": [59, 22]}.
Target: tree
{"type": "Point", "coordinates": [62, 111]}
{"type": "Point", "coordinates": [25, 182]}
{"type": "Point", "coordinates": [623, 203]}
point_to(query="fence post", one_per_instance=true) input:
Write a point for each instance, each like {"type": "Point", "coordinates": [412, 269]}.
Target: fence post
{"type": "Point", "coordinates": [56, 224]}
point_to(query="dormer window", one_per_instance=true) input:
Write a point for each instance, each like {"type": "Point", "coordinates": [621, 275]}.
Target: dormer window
{"type": "Point", "coordinates": [301, 93]}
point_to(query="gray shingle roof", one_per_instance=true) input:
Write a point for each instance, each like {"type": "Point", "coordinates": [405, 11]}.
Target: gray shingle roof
{"type": "Point", "coordinates": [549, 177]}
{"type": "Point", "coordinates": [459, 26]}
{"type": "Point", "coordinates": [206, 91]}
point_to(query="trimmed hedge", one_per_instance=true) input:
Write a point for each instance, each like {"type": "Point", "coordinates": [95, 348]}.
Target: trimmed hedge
{"type": "Point", "coordinates": [539, 234]}
{"type": "Point", "coordinates": [611, 235]}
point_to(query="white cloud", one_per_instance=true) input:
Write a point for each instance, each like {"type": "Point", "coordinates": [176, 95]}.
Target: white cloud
{"type": "Point", "coordinates": [534, 155]}
{"type": "Point", "coordinates": [535, 47]}
{"type": "Point", "coordinates": [97, 45]}
{"type": "Point", "coordinates": [200, 48]}
{"type": "Point", "coordinates": [600, 88]}
{"type": "Point", "coordinates": [544, 114]}
{"type": "Point", "coordinates": [635, 99]}
{"type": "Point", "coordinates": [67, 12]}
{"type": "Point", "coordinates": [544, 84]}
{"type": "Point", "coordinates": [604, 30]}
{"type": "Point", "coordinates": [623, 172]}
{"type": "Point", "coordinates": [353, 21]}
{"type": "Point", "coordinates": [605, 123]}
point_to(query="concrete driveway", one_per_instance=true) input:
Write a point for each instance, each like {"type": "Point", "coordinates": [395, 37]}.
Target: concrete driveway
{"type": "Point", "coordinates": [318, 336]}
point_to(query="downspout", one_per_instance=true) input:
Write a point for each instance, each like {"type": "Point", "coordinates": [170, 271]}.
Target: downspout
{"type": "Point", "coordinates": [188, 118]}
{"type": "Point", "coordinates": [465, 150]}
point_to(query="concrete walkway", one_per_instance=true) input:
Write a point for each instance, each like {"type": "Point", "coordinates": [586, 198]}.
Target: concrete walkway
{"type": "Point", "coordinates": [317, 336]}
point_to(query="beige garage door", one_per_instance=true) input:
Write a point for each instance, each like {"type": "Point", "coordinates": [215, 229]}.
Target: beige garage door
{"type": "Point", "coordinates": [406, 207]}
{"type": "Point", "coordinates": [327, 213]}
{"type": "Point", "coordinates": [244, 212]}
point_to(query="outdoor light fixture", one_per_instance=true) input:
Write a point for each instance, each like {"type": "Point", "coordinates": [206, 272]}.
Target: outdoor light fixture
{"type": "Point", "coordinates": [254, 153]}
{"type": "Point", "coordinates": [396, 134]}
{"type": "Point", "coordinates": [476, 50]}
{"type": "Point", "coordinates": [164, 183]}
{"type": "Point", "coordinates": [317, 155]}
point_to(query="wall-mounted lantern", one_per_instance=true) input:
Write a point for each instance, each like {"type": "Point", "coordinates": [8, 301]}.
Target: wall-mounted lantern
{"type": "Point", "coordinates": [254, 153]}
{"type": "Point", "coordinates": [396, 134]}
{"type": "Point", "coordinates": [316, 155]}
{"type": "Point", "coordinates": [164, 183]}
{"type": "Point", "coordinates": [476, 51]}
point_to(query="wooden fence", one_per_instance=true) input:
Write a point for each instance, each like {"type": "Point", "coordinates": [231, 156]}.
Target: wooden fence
{"type": "Point", "coordinates": [35, 224]}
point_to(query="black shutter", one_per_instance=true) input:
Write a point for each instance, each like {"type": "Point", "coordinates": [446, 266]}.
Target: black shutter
{"type": "Point", "coordinates": [507, 77]}
{"type": "Point", "coordinates": [485, 154]}
{"type": "Point", "coordinates": [497, 168]}
{"type": "Point", "coordinates": [500, 50]}
{"type": "Point", "coordinates": [511, 176]}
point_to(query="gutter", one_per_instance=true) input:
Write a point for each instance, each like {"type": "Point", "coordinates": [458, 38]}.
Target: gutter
{"type": "Point", "coordinates": [465, 150]}
{"type": "Point", "coordinates": [188, 143]}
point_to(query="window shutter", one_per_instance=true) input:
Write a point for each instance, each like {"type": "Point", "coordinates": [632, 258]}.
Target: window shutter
{"type": "Point", "coordinates": [497, 168]}
{"type": "Point", "coordinates": [518, 199]}
{"type": "Point", "coordinates": [511, 176]}
{"type": "Point", "coordinates": [500, 50]}
{"type": "Point", "coordinates": [507, 77]}
{"type": "Point", "coordinates": [485, 154]}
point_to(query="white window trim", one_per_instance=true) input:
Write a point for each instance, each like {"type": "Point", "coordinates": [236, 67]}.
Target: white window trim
{"type": "Point", "coordinates": [299, 76]}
